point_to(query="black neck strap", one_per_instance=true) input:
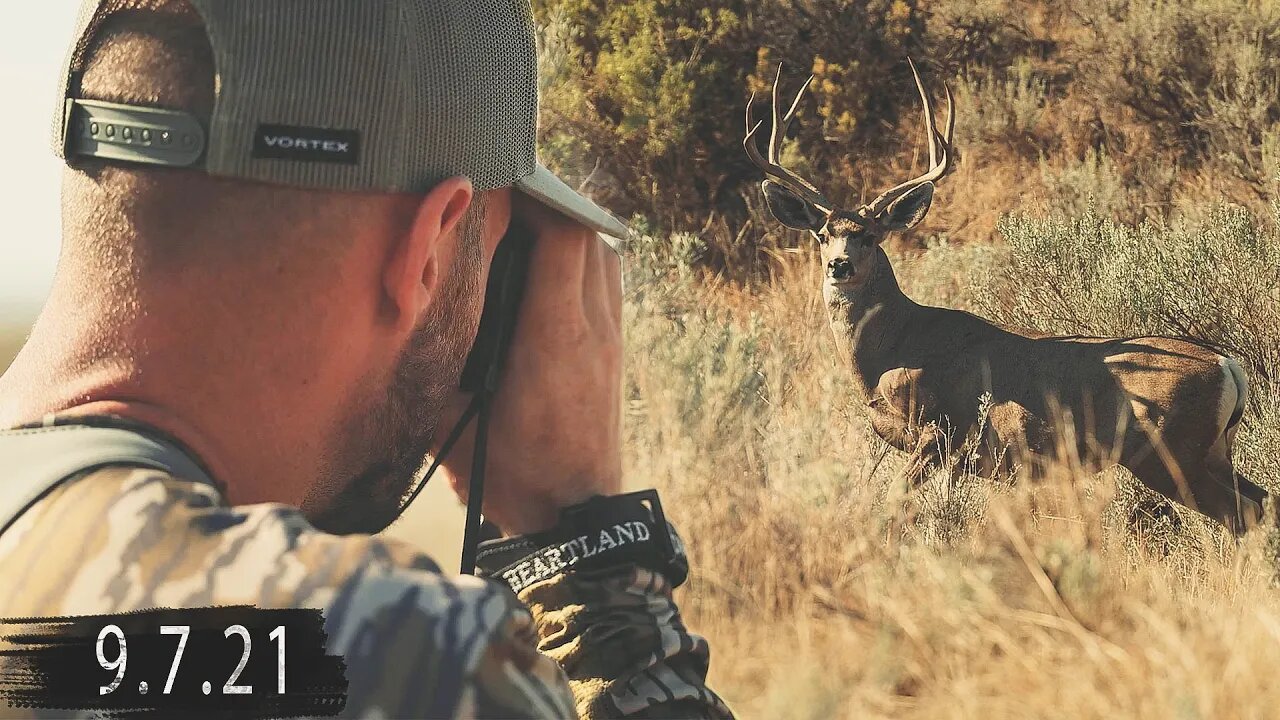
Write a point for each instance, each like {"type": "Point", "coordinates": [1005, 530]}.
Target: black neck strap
{"type": "Point", "coordinates": [481, 375]}
{"type": "Point", "coordinates": [479, 408]}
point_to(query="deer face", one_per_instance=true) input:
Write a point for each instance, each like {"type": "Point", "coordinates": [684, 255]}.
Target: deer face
{"type": "Point", "coordinates": [849, 240]}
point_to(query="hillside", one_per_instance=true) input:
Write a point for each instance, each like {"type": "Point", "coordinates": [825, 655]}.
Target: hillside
{"type": "Point", "coordinates": [1145, 108]}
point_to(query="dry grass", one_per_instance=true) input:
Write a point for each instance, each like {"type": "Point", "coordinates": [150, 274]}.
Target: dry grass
{"type": "Point", "coordinates": [828, 591]}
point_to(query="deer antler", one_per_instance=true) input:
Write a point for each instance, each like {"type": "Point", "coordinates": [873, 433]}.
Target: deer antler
{"type": "Point", "coordinates": [772, 167]}
{"type": "Point", "coordinates": [938, 145]}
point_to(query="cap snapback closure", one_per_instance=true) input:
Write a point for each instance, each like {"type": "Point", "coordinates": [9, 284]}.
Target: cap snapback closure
{"type": "Point", "coordinates": [133, 134]}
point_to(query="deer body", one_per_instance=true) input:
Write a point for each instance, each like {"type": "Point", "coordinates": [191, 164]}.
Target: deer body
{"type": "Point", "coordinates": [1166, 409]}
{"type": "Point", "coordinates": [921, 372]}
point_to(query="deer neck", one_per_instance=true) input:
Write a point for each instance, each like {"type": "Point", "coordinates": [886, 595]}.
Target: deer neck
{"type": "Point", "coordinates": [869, 322]}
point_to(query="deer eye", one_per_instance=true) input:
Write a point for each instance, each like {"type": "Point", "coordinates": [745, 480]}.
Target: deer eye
{"type": "Point", "coordinates": [821, 237]}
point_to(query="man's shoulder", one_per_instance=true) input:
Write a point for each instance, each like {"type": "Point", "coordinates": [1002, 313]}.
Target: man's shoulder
{"type": "Point", "coordinates": [415, 642]}
{"type": "Point", "coordinates": [124, 538]}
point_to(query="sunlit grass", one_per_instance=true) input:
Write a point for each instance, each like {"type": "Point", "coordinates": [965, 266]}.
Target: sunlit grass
{"type": "Point", "coordinates": [828, 591]}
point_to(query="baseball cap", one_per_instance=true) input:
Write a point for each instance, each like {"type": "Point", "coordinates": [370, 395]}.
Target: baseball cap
{"type": "Point", "coordinates": [357, 95]}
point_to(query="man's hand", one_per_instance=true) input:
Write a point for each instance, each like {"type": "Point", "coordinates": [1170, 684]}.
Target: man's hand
{"type": "Point", "coordinates": [554, 434]}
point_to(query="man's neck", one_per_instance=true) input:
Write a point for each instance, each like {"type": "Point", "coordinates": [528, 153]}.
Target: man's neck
{"type": "Point", "coordinates": [182, 371]}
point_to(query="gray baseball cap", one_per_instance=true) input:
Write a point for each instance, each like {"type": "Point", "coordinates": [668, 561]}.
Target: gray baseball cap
{"type": "Point", "coordinates": [360, 95]}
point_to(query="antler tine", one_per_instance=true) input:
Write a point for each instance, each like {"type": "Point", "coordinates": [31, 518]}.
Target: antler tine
{"type": "Point", "coordinates": [930, 131]}
{"type": "Point", "coordinates": [951, 121]}
{"type": "Point", "coordinates": [795, 104]}
{"type": "Point", "coordinates": [772, 166]}
{"type": "Point", "coordinates": [938, 145]}
{"type": "Point", "coordinates": [776, 137]}
{"type": "Point", "coordinates": [781, 123]}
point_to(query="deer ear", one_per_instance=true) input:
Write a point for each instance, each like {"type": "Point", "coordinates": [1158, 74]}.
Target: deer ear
{"type": "Point", "coordinates": [908, 210]}
{"type": "Point", "coordinates": [789, 208]}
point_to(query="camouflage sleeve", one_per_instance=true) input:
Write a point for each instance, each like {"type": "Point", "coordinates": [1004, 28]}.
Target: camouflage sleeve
{"type": "Point", "coordinates": [416, 643]}
{"type": "Point", "coordinates": [619, 637]}
{"type": "Point", "coordinates": [467, 652]}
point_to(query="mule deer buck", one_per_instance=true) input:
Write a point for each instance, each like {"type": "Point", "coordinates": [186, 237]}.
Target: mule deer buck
{"type": "Point", "coordinates": [1167, 409]}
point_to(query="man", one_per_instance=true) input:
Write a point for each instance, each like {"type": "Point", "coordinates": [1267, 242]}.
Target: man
{"type": "Point", "coordinates": [278, 222]}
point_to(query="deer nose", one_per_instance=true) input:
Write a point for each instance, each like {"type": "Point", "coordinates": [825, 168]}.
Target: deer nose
{"type": "Point", "coordinates": [840, 269]}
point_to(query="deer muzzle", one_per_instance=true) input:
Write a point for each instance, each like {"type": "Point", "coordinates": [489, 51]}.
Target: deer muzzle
{"type": "Point", "coordinates": [840, 269]}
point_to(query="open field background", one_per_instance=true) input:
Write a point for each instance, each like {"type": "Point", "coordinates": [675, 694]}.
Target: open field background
{"type": "Point", "coordinates": [1119, 174]}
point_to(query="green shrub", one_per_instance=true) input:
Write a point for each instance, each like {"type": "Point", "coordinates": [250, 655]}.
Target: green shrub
{"type": "Point", "coordinates": [1000, 106]}
{"type": "Point", "coordinates": [644, 99]}
{"type": "Point", "coordinates": [1093, 184]}
{"type": "Point", "coordinates": [1143, 105]}
{"type": "Point", "coordinates": [1200, 77]}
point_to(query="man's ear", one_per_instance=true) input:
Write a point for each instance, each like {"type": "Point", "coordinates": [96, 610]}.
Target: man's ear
{"type": "Point", "coordinates": [789, 208]}
{"type": "Point", "coordinates": [908, 210]}
{"type": "Point", "coordinates": [424, 251]}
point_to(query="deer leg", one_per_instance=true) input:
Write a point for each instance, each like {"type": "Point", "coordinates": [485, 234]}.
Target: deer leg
{"type": "Point", "coordinates": [1208, 486]}
{"type": "Point", "coordinates": [1186, 457]}
{"type": "Point", "coordinates": [922, 443]}
{"type": "Point", "coordinates": [929, 452]}
{"type": "Point", "coordinates": [897, 411]}
{"type": "Point", "coordinates": [1015, 437]}
{"type": "Point", "coordinates": [1216, 496]}
{"type": "Point", "coordinates": [1234, 497]}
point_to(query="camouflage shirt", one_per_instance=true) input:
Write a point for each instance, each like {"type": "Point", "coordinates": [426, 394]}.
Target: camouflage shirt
{"type": "Point", "coordinates": [417, 643]}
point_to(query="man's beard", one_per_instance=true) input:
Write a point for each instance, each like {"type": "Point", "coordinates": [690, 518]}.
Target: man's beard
{"type": "Point", "coordinates": [397, 435]}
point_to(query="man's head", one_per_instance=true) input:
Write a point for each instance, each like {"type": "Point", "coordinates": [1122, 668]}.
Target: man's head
{"type": "Point", "coordinates": [363, 303]}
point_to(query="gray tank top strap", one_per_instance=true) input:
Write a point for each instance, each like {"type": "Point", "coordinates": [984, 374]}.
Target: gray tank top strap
{"type": "Point", "coordinates": [35, 461]}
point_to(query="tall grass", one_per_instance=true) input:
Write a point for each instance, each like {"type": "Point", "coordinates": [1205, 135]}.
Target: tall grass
{"type": "Point", "coordinates": [829, 591]}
